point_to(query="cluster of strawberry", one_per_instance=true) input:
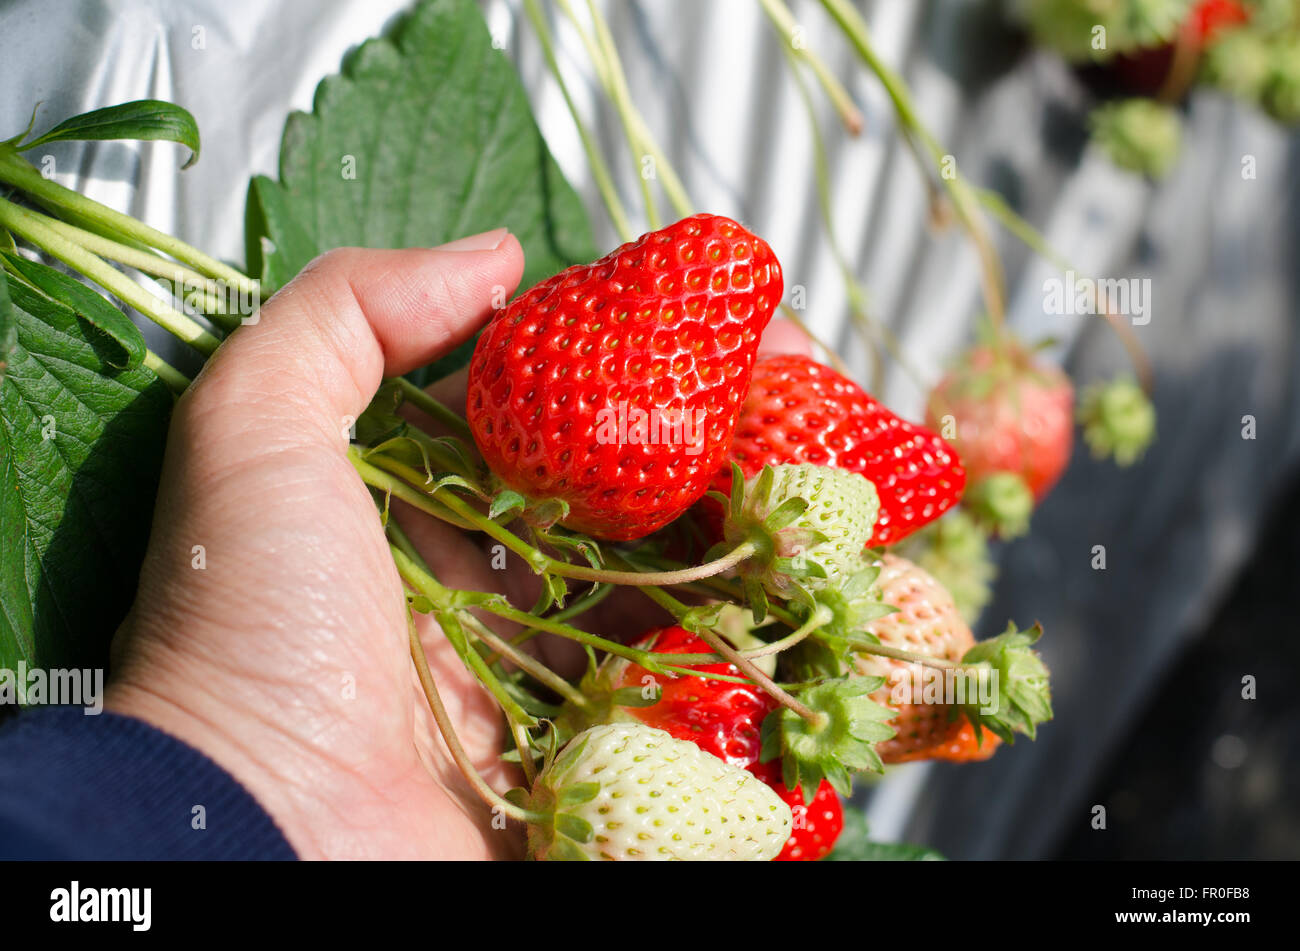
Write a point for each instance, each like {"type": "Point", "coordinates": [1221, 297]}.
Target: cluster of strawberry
{"type": "Point", "coordinates": [583, 395]}
{"type": "Point", "coordinates": [1145, 55]}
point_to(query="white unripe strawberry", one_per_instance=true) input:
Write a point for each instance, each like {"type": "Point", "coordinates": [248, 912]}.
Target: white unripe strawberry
{"type": "Point", "coordinates": [626, 791]}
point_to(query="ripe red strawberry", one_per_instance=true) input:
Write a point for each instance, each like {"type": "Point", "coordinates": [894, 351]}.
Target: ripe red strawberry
{"type": "Point", "coordinates": [720, 717]}
{"type": "Point", "coordinates": [927, 622]}
{"type": "Point", "coordinates": [1012, 413]}
{"type": "Point", "coordinates": [615, 386]}
{"type": "Point", "coordinates": [799, 411]}
{"type": "Point", "coordinates": [817, 825]}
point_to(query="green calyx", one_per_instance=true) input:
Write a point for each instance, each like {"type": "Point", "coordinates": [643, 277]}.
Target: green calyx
{"type": "Point", "coordinates": [808, 525]}
{"type": "Point", "coordinates": [1118, 420]}
{"type": "Point", "coordinates": [1001, 503]}
{"type": "Point", "coordinates": [851, 606]}
{"type": "Point", "coordinates": [955, 550]}
{"type": "Point", "coordinates": [1021, 697]}
{"type": "Point", "coordinates": [554, 833]}
{"type": "Point", "coordinates": [840, 741]}
{"type": "Point", "coordinates": [1140, 135]}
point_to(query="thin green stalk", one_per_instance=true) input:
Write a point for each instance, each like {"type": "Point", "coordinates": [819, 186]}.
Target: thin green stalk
{"type": "Point", "coordinates": [783, 20]}
{"type": "Point", "coordinates": [537, 560]}
{"type": "Point", "coordinates": [925, 660]}
{"type": "Point", "coordinates": [604, 71]}
{"type": "Point", "coordinates": [762, 680]}
{"type": "Point", "coordinates": [599, 170]}
{"type": "Point", "coordinates": [644, 658]}
{"type": "Point", "coordinates": [1032, 239]}
{"type": "Point", "coordinates": [818, 619]}
{"type": "Point", "coordinates": [149, 263]}
{"type": "Point", "coordinates": [16, 171]}
{"type": "Point", "coordinates": [581, 606]}
{"type": "Point", "coordinates": [859, 35]}
{"type": "Point", "coordinates": [448, 620]}
{"type": "Point", "coordinates": [665, 174]}
{"type": "Point", "coordinates": [857, 297]}
{"type": "Point", "coordinates": [448, 731]}
{"type": "Point", "coordinates": [525, 662]}
{"type": "Point", "coordinates": [386, 482]}
{"type": "Point", "coordinates": [173, 377]}
{"type": "Point", "coordinates": [430, 406]}
{"type": "Point", "coordinates": [32, 226]}
{"type": "Point", "coordinates": [717, 585]}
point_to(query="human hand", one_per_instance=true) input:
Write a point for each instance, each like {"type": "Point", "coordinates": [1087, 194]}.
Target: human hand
{"type": "Point", "coordinates": [285, 658]}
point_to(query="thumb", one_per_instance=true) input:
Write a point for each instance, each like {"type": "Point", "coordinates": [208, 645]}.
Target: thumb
{"type": "Point", "coordinates": [321, 346]}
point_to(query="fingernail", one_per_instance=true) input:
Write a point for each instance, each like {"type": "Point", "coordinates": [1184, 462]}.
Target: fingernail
{"type": "Point", "coordinates": [487, 241]}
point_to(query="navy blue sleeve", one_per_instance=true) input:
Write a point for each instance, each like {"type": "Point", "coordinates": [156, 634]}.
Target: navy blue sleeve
{"type": "Point", "coordinates": [112, 787]}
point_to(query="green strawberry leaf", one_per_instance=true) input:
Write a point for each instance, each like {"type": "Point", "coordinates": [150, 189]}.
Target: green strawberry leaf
{"type": "Point", "coordinates": [424, 137]}
{"type": "Point", "coordinates": [855, 845]}
{"type": "Point", "coordinates": [88, 305]}
{"type": "Point", "coordinates": [80, 450]}
{"type": "Point", "coordinates": [142, 119]}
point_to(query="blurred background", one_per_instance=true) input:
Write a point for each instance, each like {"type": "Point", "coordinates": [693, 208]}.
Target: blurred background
{"type": "Point", "coordinates": [1148, 656]}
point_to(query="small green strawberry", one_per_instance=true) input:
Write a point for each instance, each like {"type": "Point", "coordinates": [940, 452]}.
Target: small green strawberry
{"type": "Point", "coordinates": [1140, 135]}
{"type": "Point", "coordinates": [626, 791]}
{"type": "Point", "coordinates": [1001, 503]}
{"type": "Point", "coordinates": [1118, 420]}
{"type": "Point", "coordinates": [808, 524]}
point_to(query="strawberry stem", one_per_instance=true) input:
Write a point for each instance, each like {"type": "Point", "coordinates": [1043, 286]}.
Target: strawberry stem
{"type": "Point", "coordinates": [378, 479]}
{"type": "Point", "coordinates": [784, 22]}
{"type": "Point", "coordinates": [416, 574]}
{"type": "Point", "coordinates": [599, 170]}
{"type": "Point", "coordinates": [173, 377]}
{"type": "Point", "coordinates": [883, 650]}
{"type": "Point", "coordinates": [1035, 241]}
{"type": "Point", "coordinates": [454, 746]}
{"type": "Point", "coordinates": [466, 516]}
{"type": "Point", "coordinates": [146, 262]}
{"type": "Point", "coordinates": [674, 663]}
{"type": "Point", "coordinates": [34, 228]}
{"type": "Point", "coordinates": [581, 606]}
{"type": "Point", "coordinates": [959, 192]}
{"type": "Point", "coordinates": [434, 409]}
{"type": "Point", "coordinates": [762, 680]}
{"type": "Point", "coordinates": [16, 171]}
{"type": "Point", "coordinates": [818, 619]}
{"type": "Point", "coordinates": [524, 661]}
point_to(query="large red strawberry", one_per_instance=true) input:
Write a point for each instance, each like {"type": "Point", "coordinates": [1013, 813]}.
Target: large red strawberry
{"type": "Point", "coordinates": [817, 824]}
{"type": "Point", "coordinates": [614, 387]}
{"type": "Point", "coordinates": [799, 411]}
{"type": "Point", "coordinates": [1010, 412]}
